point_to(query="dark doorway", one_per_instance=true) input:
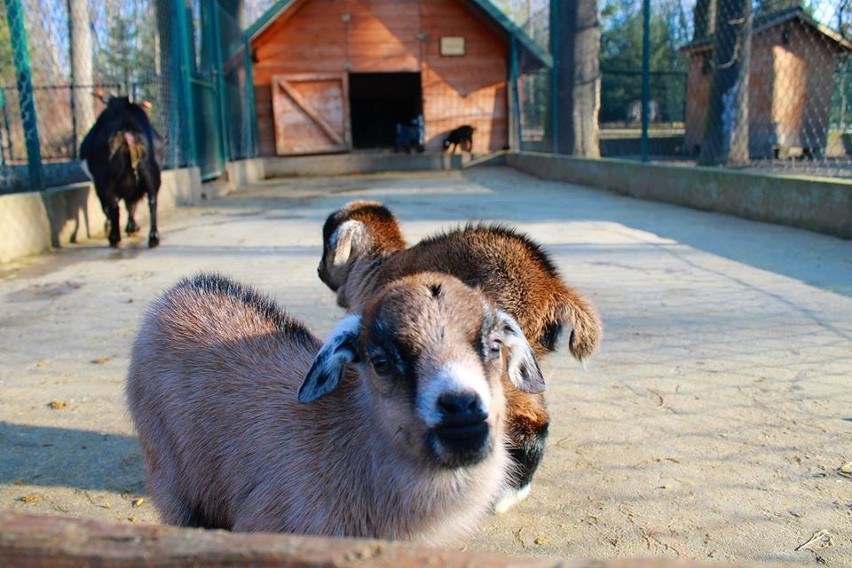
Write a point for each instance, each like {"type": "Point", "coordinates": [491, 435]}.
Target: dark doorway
{"type": "Point", "coordinates": [377, 102]}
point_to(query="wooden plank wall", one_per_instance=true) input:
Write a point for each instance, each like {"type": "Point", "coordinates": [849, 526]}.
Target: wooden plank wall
{"type": "Point", "coordinates": [310, 38]}
{"type": "Point", "coordinates": [338, 36]}
{"type": "Point", "coordinates": [382, 36]}
{"type": "Point", "coordinates": [464, 90]}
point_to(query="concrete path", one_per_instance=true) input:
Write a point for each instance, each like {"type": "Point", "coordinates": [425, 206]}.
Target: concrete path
{"type": "Point", "coordinates": [713, 424]}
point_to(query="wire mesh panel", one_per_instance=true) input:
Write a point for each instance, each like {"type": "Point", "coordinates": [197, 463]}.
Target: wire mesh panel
{"type": "Point", "coordinates": [531, 89]}
{"type": "Point", "coordinates": [622, 78]}
{"type": "Point", "coordinates": [189, 59]}
{"type": "Point", "coordinates": [534, 103]}
{"type": "Point", "coordinates": [112, 47]}
{"type": "Point", "coordinates": [237, 83]}
{"type": "Point", "coordinates": [768, 86]}
{"type": "Point", "coordinates": [19, 132]}
{"type": "Point", "coordinates": [737, 83]}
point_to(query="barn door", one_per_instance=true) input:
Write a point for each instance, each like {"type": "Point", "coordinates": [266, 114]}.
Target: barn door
{"type": "Point", "coordinates": [311, 113]}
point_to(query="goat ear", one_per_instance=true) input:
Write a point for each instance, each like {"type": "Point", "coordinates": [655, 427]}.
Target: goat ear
{"type": "Point", "coordinates": [348, 240]}
{"type": "Point", "coordinates": [523, 370]}
{"type": "Point", "coordinates": [329, 364]}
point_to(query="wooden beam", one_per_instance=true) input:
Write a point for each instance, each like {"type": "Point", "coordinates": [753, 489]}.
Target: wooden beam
{"type": "Point", "coordinates": [30, 541]}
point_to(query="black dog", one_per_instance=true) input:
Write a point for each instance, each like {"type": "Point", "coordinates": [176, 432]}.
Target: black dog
{"type": "Point", "coordinates": [461, 136]}
{"type": "Point", "coordinates": [121, 156]}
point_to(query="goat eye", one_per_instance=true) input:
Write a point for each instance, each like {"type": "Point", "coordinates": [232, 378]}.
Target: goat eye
{"type": "Point", "coordinates": [495, 347]}
{"type": "Point", "coordinates": [381, 364]}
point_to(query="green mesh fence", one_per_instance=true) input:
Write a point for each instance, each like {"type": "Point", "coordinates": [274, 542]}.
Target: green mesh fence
{"type": "Point", "coordinates": [54, 54]}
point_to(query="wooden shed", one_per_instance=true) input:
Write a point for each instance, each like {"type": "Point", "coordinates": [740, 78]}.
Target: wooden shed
{"type": "Point", "coordinates": [338, 75]}
{"type": "Point", "coordinates": [793, 60]}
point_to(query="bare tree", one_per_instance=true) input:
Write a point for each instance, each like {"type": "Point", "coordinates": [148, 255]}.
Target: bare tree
{"type": "Point", "coordinates": [726, 134]}
{"type": "Point", "coordinates": [81, 68]}
{"type": "Point", "coordinates": [704, 17]}
{"type": "Point", "coordinates": [575, 34]}
{"type": "Point", "coordinates": [844, 62]}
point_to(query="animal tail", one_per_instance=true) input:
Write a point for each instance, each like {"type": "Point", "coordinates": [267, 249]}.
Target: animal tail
{"type": "Point", "coordinates": [586, 324]}
{"type": "Point", "coordinates": [131, 142]}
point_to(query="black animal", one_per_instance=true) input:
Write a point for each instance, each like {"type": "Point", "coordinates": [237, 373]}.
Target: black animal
{"type": "Point", "coordinates": [461, 136]}
{"type": "Point", "coordinates": [410, 136]}
{"type": "Point", "coordinates": [122, 155]}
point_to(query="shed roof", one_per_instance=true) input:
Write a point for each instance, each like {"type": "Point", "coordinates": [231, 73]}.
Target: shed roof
{"type": "Point", "coordinates": [769, 20]}
{"type": "Point", "coordinates": [531, 57]}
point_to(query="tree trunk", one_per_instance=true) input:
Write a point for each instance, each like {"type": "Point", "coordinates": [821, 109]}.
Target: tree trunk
{"type": "Point", "coordinates": [82, 80]}
{"type": "Point", "coordinates": [575, 43]}
{"type": "Point", "coordinates": [703, 18]}
{"type": "Point", "coordinates": [726, 132]}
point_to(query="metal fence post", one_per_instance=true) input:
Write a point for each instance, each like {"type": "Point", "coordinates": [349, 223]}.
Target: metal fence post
{"type": "Point", "coordinates": [555, 50]}
{"type": "Point", "coordinates": [24, 84]}
{"type": "Point", "coordinates": [219, 66]}
{"type": "Point", "coordinates": [515, 126]}
{"type": "Point", "coordinates": [646, 77]}
{"type": "Point", "coordinates": [183, 64]}
{"type": "Point", "coordinates": [251, 114]}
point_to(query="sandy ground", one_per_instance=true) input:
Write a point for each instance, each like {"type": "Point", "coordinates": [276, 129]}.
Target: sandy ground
{"type": "Point", "coordinates": [713, 424]}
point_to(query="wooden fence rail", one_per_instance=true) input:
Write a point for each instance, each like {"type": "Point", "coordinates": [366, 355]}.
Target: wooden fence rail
{"type": "Point", "coordinates": [28, 541]}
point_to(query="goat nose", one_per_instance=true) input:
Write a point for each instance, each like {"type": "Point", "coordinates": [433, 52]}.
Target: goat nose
{"type": "Point", "coordinates": [461, 408]}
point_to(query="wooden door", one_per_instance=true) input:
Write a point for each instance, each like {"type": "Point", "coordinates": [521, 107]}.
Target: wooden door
{"type": "Point", "coordinates": [311, 113]}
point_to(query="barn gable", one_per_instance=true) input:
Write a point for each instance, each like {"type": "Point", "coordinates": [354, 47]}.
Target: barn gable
{"type": "Point", "coordinates": [333, 75]}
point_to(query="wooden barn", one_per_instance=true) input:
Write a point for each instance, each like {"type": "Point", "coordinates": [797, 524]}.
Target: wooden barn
{"type": "Point", "coordinates": [793, 60]}
{"type": "Point", "coordinates": [339, 75]}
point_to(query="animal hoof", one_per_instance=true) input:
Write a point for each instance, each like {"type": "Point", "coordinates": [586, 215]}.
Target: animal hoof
{"type": "Point", "coordinates": [113, 244]}
{"type": "Point", "coordinates": [511, 497]}
{"type": "Point", "coordinates": [153, 242]}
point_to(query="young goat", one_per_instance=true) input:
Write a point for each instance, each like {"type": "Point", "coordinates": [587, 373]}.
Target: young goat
{"type": "Point", "coordinates": [461, 136]}
{"type": "Point", "coordinates": [120, 153]}
{"type": "Point", "coordinates": [364, 250]}
{"type": "Point", "coordinates": [392, 429]}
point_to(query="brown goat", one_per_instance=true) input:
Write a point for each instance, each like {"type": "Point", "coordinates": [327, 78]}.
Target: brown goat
{"type": "Point", "coordinates": [394, 428]}
{"type": "Point", "coordinates": [364, 249]}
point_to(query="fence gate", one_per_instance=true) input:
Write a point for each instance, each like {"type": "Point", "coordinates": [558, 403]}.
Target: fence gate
{"type": "Point", "coordinates": [203, 83]}
{"type": "Point", "coordinates": [209, 132]}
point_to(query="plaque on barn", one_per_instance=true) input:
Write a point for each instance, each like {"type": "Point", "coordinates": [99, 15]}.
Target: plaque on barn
{"type": "Point", "coordinates": [452, 46]}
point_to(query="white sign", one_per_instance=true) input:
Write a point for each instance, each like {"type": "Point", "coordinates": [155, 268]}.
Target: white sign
{"type": "Point", "coordinates": [452, 46]}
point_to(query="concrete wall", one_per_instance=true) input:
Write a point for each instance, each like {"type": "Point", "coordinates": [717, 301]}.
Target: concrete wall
{"type": "Point", "coordinates": [818, 204]}
{"type": "Point", "coordinates": [344, 164]}
{"type": "Point", "coordinates": [240, 173]}
{"type": "Point", "coordinates": [34, 222]}
{"type": "Point", "coordinates": [31, 223]}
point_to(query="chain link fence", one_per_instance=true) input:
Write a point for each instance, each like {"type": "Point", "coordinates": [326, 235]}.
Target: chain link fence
{"type": "Point", "coordinates": [775, 75]}
{"type": "Point", "coordinates": [56, 54]}
{"type": "Point", "coordinates": [623, 32]}
{"type": "Point", "coordinates": [764, 85]}
{"type": "Point", "coordinates": [782, 71]}
{"type": "Point", "coordinates": [759, 85]}
{"type": "Point", "coordinates": [185, 58]}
